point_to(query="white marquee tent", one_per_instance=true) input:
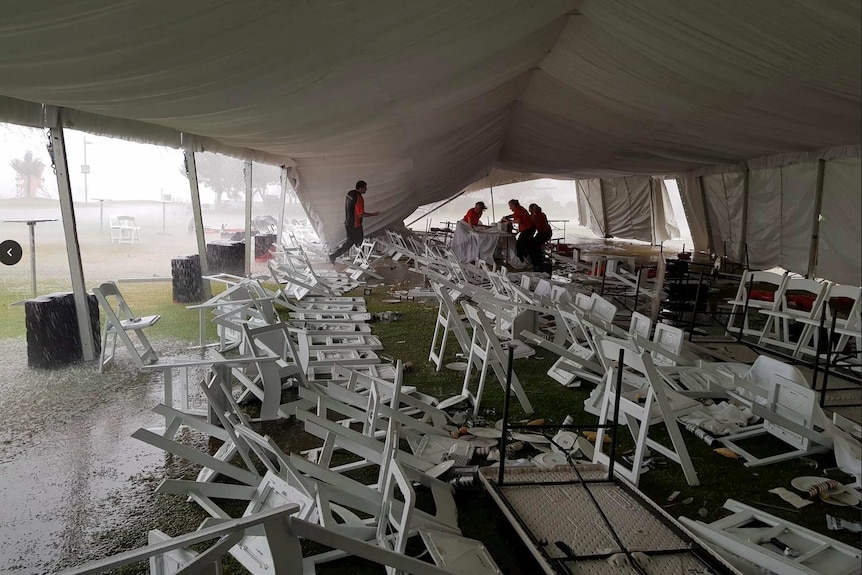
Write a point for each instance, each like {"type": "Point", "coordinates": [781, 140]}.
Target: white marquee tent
{"type": "Point", "coordinates": [753, 106]}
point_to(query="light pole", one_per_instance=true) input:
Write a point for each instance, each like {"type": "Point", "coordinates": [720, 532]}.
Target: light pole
{"type": "Point", "coordinates": [85, 168]}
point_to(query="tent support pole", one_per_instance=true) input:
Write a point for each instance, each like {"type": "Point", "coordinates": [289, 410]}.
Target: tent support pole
{"type": "Point", "coordinates": [461, 193]}
{"type": "Point", "coordinates": [192, 172]}
{"type": "Point", "coordinates": [709, 243]}
{"type": "Point", "coordinates": [493, 213]}
{"type": "Point", "coordinates": [249, 196]}
{"type": "Point", "coordinates": [744, 238]}
{"type": "Point", "coordinates": [604, 209]}
{"type": "Point", "coordinates": [284, 184]}
{"type": "Point", "coordinates": [57, 142]}
{"type": "Point", "coordinates": [815, 225]}
{"type": "Point", "coordinates": [652, 218]}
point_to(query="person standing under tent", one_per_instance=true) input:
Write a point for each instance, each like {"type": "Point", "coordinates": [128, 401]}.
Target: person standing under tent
{"type": "Point", "coordinates": [474, 214]}
{"type": "Point", "coordinates": [526, 231]}
{"type": "Point", "coordinates": [354, 213]}
{"type": "Point", "coordinates": [543, 234]}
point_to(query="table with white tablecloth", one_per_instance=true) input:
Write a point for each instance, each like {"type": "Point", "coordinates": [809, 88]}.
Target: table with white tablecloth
{"type": "Point", "coordinates": [470, 244]}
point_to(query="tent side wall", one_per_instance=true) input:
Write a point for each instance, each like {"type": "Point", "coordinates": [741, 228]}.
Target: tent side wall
{"type": "Point", "coordinates": [773, 224]}
{"type": "Point", "coordinates": [839, 257]}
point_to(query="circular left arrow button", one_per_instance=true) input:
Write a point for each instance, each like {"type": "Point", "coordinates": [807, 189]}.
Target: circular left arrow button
{"type": "Point", "coordinates": [10, 252]}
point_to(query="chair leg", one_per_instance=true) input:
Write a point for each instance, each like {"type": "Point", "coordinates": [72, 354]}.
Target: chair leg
{"type": "Point", "coordinates": [149, 354]}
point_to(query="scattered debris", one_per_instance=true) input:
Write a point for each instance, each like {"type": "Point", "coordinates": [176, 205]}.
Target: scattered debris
{"type": "Point", "coordinates": [725, 452]}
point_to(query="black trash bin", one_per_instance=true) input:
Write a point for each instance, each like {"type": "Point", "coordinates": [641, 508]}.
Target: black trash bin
{"type": "Point", "coordinates": [262, 243]}
{"type": "Point", "coordinates": [226, 256]}
{"type": "Point", "coordinates": [53, 339]}
{"type": "Point", "coordinates": [188, 286]}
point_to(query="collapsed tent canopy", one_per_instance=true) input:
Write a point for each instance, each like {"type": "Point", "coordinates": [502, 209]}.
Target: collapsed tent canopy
{"type": "Point", "coordinates": [422, 99]}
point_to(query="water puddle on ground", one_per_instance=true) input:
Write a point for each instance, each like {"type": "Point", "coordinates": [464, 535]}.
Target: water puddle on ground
{"type": "Point", "coordinates": [69, 471]}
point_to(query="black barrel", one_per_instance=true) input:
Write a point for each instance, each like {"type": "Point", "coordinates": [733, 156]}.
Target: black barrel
{"type": "Point", "coordinates": [53, 339]}
{"type": "Point", "coordinates": [226, 256]}
{"type": "Point", "coordinates": [188, 286]}
{"type": "Point", "coordinates": [262, 243]}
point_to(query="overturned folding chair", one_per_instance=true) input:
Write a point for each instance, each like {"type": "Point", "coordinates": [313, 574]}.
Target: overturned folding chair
{"type": "Point", "coordinates": [486, 352]}
{"type": "Point", "coordinates": [638, 411]}
{"type": "Point", "coordinates": [448, 320]}
{"type": "Point", "coordinates": [789, 413]}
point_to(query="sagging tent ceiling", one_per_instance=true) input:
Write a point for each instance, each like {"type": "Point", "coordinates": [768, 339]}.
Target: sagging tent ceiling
{"type": "Point", "coordinates": [422, 98]}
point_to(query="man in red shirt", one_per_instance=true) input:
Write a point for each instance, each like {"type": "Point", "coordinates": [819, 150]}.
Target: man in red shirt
{"type": "Point", "coordinates": [474, 214]}
{"type": "Point", "coordinates": [354, 212]}
{"type": "Point", "coordinates": [543, 234]}
{"type": "Point", "coordinates": [526, 230]}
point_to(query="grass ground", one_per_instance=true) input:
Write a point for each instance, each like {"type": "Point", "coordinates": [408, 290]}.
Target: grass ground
{"type": "Point", "coordinates": [409, 339]}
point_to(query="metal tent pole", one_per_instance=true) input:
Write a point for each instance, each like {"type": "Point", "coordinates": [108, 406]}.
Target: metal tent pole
{"type": "Point", "coordinates": [284, 184]}
{"type": "Point", "coordinates": [192, 172]}
{"type": "Point", "coordinates": [57, 147]}
{"type": "Point", "coordinates": [461, 193]}
{"type": "Point", "coordinates": [249, 248]}
{"type": "Point", "coordinates": [815, 225]}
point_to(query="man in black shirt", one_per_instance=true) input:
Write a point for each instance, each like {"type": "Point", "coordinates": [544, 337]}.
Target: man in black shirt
{"type": "Point", "coordinates": [354, 212]}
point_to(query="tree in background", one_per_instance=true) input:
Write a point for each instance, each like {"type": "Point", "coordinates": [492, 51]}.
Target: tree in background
{"type": "Point", "coordinates": [224, 176]}
{"type": "Point", "coordinates": [29, 179]}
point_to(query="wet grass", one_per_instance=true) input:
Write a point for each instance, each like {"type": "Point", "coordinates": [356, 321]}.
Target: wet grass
{"type": "Point", "coordinates": [409, 339]}
{"type": "Point", "coordinates": [144, 298]}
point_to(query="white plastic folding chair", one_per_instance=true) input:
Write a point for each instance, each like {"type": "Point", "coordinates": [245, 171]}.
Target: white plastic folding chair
{"type": "Point", "coordinates": [847, 327]}
{"type": "Point", "coordinates": [121, 322]}
{"type": "Point", "coordinates": [783, 314]}
{"type": "Point", "coordinates": [394, 527]}
{"type": "Point", "coordinates": [448, 320]}
{"type": "Point", "coordinates": [790, 412]}
{"type": "Point", "coordinates": [486, 352]}
{"type": "Point", "coordinates": [639, 410]}
{"type": "Point", "coordinates": [114, 228]}
{"type": "Point", "coordinates": [129, 232]}
{"type": "Point", "coordinates": [766, 284]}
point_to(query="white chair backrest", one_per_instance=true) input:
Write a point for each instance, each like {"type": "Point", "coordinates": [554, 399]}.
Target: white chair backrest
{"type": "Point", "coordinates": [640, 325]}
{"type": "Point", "coordinates": [759, 277]}
{"type": "Point", "coordinates": [765, 367]}
{"type": "Point", "coordinates": [851, 293]}
{"type": "Point", "coordinates": [392, 529]}
{"type": "Point", "coordinates": [583, 302]}
{"type": "Point", "coordinates": [609, 352]}
{"type": "Point", "coordinates": [670, 338]}
{"type": "Point", "coordinates": [602, 308]}
{"type": "Point", "coordinates": [816, 288]}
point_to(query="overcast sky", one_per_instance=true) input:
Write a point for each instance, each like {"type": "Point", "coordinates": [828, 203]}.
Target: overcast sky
{"type": "Point", "coordinates": [118, 169]}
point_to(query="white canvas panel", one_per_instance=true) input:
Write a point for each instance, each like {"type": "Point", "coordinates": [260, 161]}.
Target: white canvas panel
{"type": "Point", "coordinates": [840, 255]}
{"type": "Point", "coordinates": [593, 212]}
{"type": "Point", "coordinates": [725, 205]}
{"type": "Point", "coordinates": [798, 191]}
{"type": "Point", "coordinates": [695, 212]}
{"type": "Point", "coordinates": [627, 207]}
{"type": "Point", "coordinates": [764, 219]}
{"type": "Point", "coordinates": [671, 225]}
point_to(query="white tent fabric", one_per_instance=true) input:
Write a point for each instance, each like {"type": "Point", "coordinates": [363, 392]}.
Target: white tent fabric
{"type": "Point", "coordinates": [591, 206]}
{"type": "Point", "coordinates": [840, 248]}
{"type": "Point", "coordinates": [780, 214]}
{"type": "Point", "coordinates": [421, 99]}
{"type": "Point", "coordinates": [725, 205]}
{"type": "Point", "coordinates": [665, 225]}
{"type": "Point", "coordinates": [636, 208]}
